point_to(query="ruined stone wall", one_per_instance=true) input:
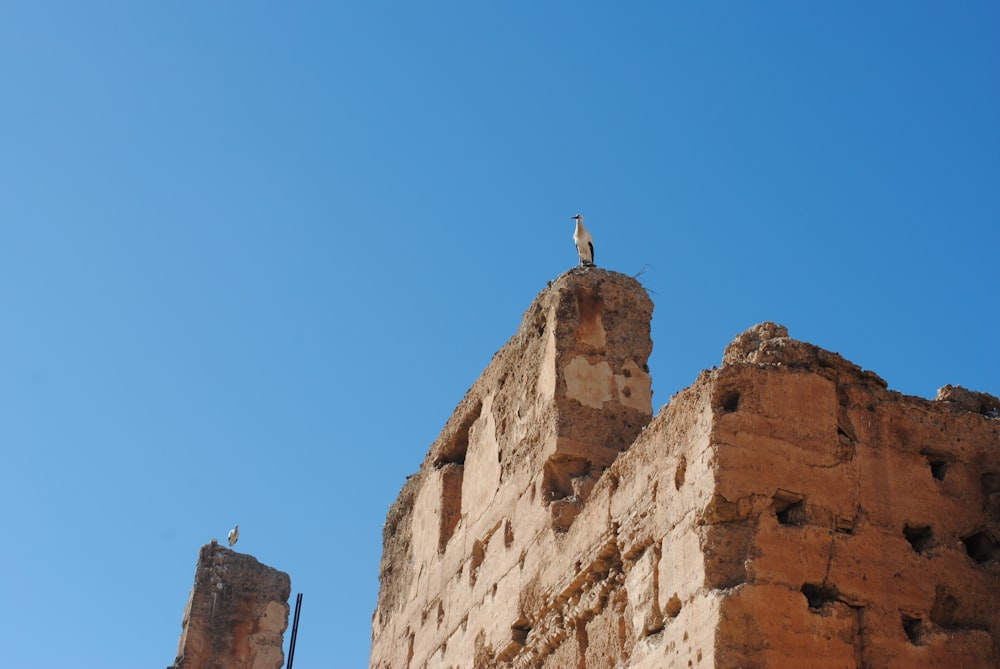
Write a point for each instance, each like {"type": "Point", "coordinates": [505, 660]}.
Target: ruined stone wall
{"type": "Point", "coordinates": [236, 614]}
{"type": "Point", "coordinates": [864, 523]}
{"type": "Point", "coordinates": [512, 469]}
{"type": "Point", "coordinates": [786, 510]}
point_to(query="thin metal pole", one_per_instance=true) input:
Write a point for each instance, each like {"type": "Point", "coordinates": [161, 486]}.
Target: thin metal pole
{"type": "Point", "coordinates": [295, 630]}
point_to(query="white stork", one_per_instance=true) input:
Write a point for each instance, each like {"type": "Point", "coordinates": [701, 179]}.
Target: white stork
{"type": "Point", "coordinates": [234, 535]}
{"type": "Point", "coordinates": [584, 242]}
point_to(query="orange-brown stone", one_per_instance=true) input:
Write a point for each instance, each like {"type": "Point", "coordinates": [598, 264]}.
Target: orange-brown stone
{"type": "Point", "coordinates": [236, 614]}
{"type": "Point", "coordinates": [785, 510]}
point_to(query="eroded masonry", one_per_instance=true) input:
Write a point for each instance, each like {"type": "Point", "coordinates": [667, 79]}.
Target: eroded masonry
{"type": "Point", "coordinates": [785, 510]}
{"type": "Point", "coordinates": [236, 614]}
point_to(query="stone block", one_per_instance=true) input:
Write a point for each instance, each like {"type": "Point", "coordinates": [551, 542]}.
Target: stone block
{"type": "Point", "coordinates": [236, 614]}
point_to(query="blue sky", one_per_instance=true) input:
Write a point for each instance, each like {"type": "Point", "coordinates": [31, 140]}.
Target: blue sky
{"type": "Point", "coordinates": [253, 254]}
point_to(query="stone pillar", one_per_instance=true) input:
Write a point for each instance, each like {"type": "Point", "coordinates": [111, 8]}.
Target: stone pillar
{"type": "Point", "coordinates": [593, 377]}
{"type": "Point", "coordinates": [511, 472]}
{"type": "Point", "coordinates": [236, 614]}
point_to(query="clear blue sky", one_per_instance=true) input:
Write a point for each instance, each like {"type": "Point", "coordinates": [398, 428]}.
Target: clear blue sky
{"type": "Point", "coordinates": [252, 254]}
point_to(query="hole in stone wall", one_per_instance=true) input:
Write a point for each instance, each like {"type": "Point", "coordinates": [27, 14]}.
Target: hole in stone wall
{"type": "Point", "coordinates": [812, 595]}
{"type": "Point", "coordinates": [913, 628]}
{"type": "Point", "coordinates": [793, 514]}
{"type": "Point", "coordinates": [558, 475]}
{"type": "Point", "coordinates": [982, 547]}
{"type": "Point", "coordinates": [478, 555]}
{"type": "Point", "coordinates": [920, 537]}
{"type": "Point", "coordinates": [508, 534]}
{"type": "Point", "coordinates": [789, 508]}
{"type": "Point", "coordinates": [845, 448]}
{"type": "Point", "coordinates": [938, 468]}
{"type": "Point", "coordinates": [680, 472]}
{"type": "Point", "coordinates": [818, 595]}
{"type": "Point", "coordinates": [451, 502]}
{"type": "Point", "coordinates": [453, 451]}
{"type": "Point", "coordinates": [519, 631]}
{"type": "Point", "coordinates": [938, 464]}
{"type": "Point", "coordinates": [730, 401]}
{"type": "Point", "coordinates": [672, 607]}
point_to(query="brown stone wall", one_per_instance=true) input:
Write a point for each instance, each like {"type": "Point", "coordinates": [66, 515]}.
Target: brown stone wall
{"type": "Point", "coordinates": [466, 543]}
{"type": "Point", "coordinates": [871, 518]}
{"type": "Point", "coordinates": [786, 510]}
{"type": "Point", "coordinates": [236, 614]}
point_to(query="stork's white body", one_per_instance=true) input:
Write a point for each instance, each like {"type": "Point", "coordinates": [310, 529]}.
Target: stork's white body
{"type": "Point", "coordinates": [584, 242]}
{"type": "Point", "coordinates": [234, 535]}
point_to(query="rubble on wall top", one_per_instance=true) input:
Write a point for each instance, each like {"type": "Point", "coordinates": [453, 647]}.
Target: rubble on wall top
{"type": "Point", "coordinates": [768, 344]}
{"type": "Point", "coordinates": [969, 400]}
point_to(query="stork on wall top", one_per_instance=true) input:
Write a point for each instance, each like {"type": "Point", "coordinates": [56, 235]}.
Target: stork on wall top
{"type": "Point", "coordinates": [584, 242]}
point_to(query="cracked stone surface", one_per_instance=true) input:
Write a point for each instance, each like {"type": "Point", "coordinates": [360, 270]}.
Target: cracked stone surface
{"type": "Point", "coordinates": [785, 510]}
{"type": "Point", "coordinates": [236, 614]}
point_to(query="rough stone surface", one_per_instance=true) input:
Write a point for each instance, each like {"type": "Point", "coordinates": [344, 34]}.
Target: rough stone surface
{"type": "Point", "coordinates": [236, 614]}
{"type": "Point", "coordinates": [785, 510]}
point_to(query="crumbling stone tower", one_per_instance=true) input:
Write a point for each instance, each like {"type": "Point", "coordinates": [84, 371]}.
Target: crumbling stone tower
{"type": "Point", "coordinates": [236, 614]}
{"type": "Point", "coordinates": [786, 510]}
